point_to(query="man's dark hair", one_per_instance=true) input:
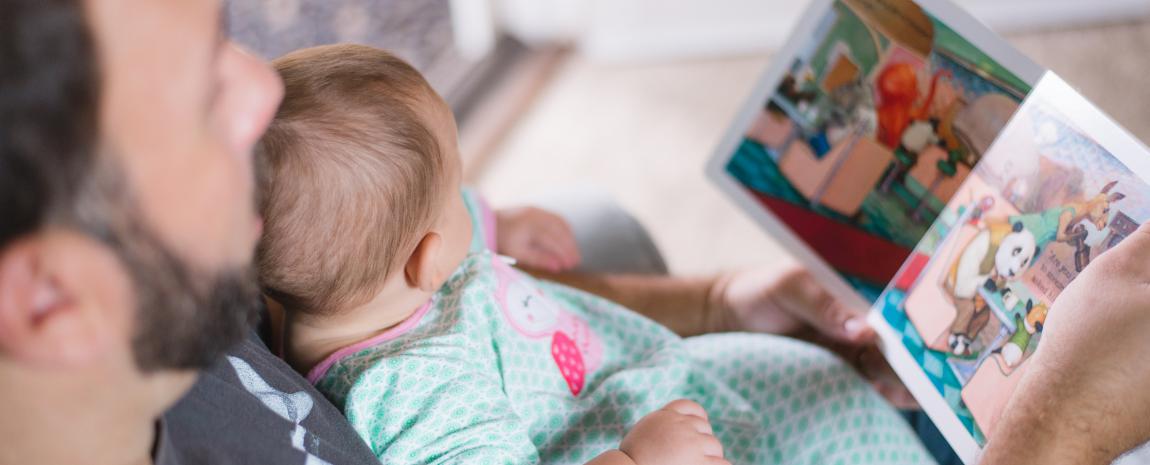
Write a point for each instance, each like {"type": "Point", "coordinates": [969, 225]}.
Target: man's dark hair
{"type": "Point", "coordinates": [49, 85]}
{"type": "Point", "coordinates": [54, 172]}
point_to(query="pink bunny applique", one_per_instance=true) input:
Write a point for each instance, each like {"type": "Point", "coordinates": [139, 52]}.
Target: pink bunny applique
{"type": "Point", "coordinates": [575, 348]}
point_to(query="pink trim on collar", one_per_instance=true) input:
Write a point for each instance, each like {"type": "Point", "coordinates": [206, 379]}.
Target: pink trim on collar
{"type": "Point", "coordinates": [318, 372]}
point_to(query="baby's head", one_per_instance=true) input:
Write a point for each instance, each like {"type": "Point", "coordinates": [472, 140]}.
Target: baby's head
{"type": "Point", "coordinates": [359, 178]}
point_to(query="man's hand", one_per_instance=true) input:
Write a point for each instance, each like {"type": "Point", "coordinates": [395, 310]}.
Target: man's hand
{"type": "Point", "coordinates": [1084, 398]}
{"type": "Point", "coordinates": [536, 238]}
{"type": "Point", "coordinates": [789, 301]}
{"type": "Point", "coordinates": [786, 300]}
{"type": "Point", "coordinates": [678, 434]}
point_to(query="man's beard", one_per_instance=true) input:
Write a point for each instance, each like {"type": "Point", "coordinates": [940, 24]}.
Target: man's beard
{"type": "Point", "coordinates": [185, 318]}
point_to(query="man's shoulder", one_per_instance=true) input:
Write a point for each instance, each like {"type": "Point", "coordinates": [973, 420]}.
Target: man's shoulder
{"type": "Point", "coordinates": [251, 407]}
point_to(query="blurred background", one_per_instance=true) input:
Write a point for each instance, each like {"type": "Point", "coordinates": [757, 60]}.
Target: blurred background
{"type": "Point", "coordinates": [630, 97]}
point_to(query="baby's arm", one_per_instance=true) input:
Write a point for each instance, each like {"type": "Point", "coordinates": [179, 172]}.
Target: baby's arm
{"type": "Point", "coordinates": [535, 237]}
{"type": "Point", "coordinates": [440, 405]}
{"type": "Point", "coordinates": [445, 408]}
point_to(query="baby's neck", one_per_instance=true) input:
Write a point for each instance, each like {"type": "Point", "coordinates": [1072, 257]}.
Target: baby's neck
{"type": "Point", "coordinates": [309, 338]}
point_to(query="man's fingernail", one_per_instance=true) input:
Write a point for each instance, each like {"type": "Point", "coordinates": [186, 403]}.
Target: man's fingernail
{"type": "Point", "coordinates": [854, 326]}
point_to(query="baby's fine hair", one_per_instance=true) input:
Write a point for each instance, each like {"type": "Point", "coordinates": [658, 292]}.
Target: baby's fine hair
{"type": "Point", "coordinates": [349, 175]}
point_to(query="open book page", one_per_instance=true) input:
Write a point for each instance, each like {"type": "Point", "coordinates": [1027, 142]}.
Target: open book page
{"type": "Point", "coordinates": [864, 127]}
{"type": "Point", "coordinates": [1060, 186]}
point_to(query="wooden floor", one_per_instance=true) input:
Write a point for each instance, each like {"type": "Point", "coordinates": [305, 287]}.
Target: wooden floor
{"type": "Point", "coordinates": [642, 134]}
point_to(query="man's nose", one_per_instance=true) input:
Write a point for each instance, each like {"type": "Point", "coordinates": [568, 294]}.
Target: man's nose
{"type": "Point", "coordinates": [258, 92]}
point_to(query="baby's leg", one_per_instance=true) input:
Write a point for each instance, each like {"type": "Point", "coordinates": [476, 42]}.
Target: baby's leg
{"type": "Point", "coordinates": [807, 406]}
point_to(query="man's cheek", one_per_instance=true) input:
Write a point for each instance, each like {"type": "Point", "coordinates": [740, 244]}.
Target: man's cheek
{"type": "Point", "coordinates": [225, 219]}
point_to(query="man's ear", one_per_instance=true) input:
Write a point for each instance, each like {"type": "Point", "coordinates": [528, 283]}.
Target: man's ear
{"type": "Point", "coordinates": [47, 316]}
{"type": "Point", "coordinates": [422, 270]}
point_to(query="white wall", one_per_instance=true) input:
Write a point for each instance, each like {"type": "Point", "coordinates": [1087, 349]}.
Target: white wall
{"type": "Point", "coordinates": [612, 30]}
{"type": "Point", "coordinates": [1009, 15]}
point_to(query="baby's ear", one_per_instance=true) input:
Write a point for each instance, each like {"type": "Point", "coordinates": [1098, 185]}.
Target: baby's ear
{"type": "Point", "coordinates": [421, 271]}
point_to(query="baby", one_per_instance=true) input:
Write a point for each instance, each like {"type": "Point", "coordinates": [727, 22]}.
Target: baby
{"type": "Point", "coordinates": [438, 350]}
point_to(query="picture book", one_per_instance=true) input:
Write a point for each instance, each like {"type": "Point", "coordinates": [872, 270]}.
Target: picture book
{"type": "Point", "coordinates": [921, 168]}
{"type": "Point", "coordinates": [867, 123]}
{"type": "Point", "coordinates": [1061, 185]}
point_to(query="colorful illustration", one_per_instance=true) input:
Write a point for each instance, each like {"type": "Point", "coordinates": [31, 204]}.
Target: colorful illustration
{"type": "Point", "coordinates": [889, 149]}
{"type": "Point", "coordinates": [970, 303]}
{"type": "Point", "coordinates": [879, 119]}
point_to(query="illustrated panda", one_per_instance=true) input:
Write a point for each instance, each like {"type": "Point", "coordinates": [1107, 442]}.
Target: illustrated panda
{"type": "Point", "coordinates": [998, 253]}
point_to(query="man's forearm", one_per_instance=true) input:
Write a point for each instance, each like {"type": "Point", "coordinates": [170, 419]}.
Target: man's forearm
{"type": "Point", "coordinates": [687, 306]}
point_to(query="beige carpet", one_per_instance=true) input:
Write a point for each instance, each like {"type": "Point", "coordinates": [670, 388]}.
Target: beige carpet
{"type": "Point", "coordinates": [643, 133]}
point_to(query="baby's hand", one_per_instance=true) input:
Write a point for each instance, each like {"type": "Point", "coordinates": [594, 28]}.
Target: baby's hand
{"type": "Point", "coordinates": [678, 434]}
{"type": "Point", "coordinates": [536, 238]}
